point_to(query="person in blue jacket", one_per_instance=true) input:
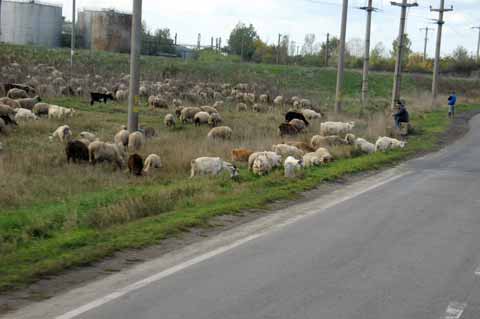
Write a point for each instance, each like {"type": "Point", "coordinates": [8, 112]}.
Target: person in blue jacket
{"type": "Point", "coordinates": [452, 102]}
{"type": "Point", "coordinates": [401, 116]}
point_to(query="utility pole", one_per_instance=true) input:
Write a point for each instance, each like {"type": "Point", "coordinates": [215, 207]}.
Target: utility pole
{"type": "Point", "coordinates": [0, 19]}
{"type": "Point", "coordinates": [478, 43]}
{"type": "Point", "coordinates": [341, 59]}
{"type": "Point", "coordinates": [426, 41]}
{"type": "Point", "coordinates": [72, 40]}
{"type": "Point", "coordinates": [327, 54]}
{"type": "Point", "coordinates": [436, 65]}
{"type": "Point", "coordinates": [401, 40]}
{"type": "Point", "coordinates": [133, 97]}
{"type": "Point", "coordinates": [220, 43]}
{"type": "Point", "coordinates": [199, 40]}
{"type": "Point", "coordinates": [211, 45]}
{"type": "Point", "coordinates": [366, 58]}
{"type": "Point", "coordinates": [175, 39]}
{"type": "Point", "coordinates": [278, 48]}
{"type": "Point", "coordinates": [241, 49]}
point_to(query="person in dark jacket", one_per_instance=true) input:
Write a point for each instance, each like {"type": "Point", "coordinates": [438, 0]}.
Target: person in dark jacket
{"type": "Point", "coordinates": [452, 102]}
{"type": "Point", "coordinates": [402, 115]}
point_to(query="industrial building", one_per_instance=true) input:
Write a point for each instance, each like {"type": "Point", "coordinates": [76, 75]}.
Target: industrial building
{"type": "Point", "coordinates": [105, 30]}
{"type": "Point", "coordinates": [30, 22]}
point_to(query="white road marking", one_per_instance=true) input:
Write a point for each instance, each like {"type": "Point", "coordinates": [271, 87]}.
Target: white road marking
{"type": "Point", "coordinates": [455, 310]}
{"type": "Point", "coordinates": [170, 271]}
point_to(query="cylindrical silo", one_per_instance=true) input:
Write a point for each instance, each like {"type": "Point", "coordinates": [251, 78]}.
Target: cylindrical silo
{"type": "Point", "coordinates": [31, 22]}
{"type": "Point", "coordinates": [105, 30]}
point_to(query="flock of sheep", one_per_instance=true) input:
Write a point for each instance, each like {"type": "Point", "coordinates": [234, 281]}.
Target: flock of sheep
{"type": "Point", "coordinates": [123, 150]}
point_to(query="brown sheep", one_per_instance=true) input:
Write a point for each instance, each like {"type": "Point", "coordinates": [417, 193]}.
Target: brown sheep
{"type": "Point", "coordinates": [241, 154]}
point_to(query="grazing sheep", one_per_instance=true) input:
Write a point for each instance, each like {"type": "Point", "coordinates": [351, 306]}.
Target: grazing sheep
{"type": "Point", "coordinates": [88, 136]}
{"type": "Point", "coordinates": [364, 146]}
{"type": "Point", "coordinates": [188, 114]}
{"type": "Point", "coordinates": [311, 114]}
{"type": "Point", "coordinates": [29, 103]}
{"type": "Point", "coordinates": [278, 101]}
{"type": "Point", "coordinates": [10, 102]}
{"type": "Point", "coordinates": [287, 129]}
{"type": "Point", "coordinates": [295, 115]}
{"type": "Point", "coordinates": [135, 164]}
{"type": "Point", "coordinates": [324, 155]}
{"type": "Point", "coordinates": [259, 108]}
{"type": "Point", "coordinates": [149, 132]}
{"type": "Point", "coordinates": [157, 102]}
{"type": "Point", "coordinates": [241, 154]}
{"type": "Point", "coordinates": [214, 119]}
{"type": "Point", "coordinates": [242, 107]}
{"type": "Point", "coordinates": [219, 105]}
{"type": "Point", "coordinates": [17, 94]}
{"type": "Point", "coordinates": [249, 98]}
{"type": "Point", "coordinates": [263, 98]}
{"type": "Point", "coordinates": [262, 165]}
{"type": "Point", "coordinates": [302, 146]}
{"type": "Point", "coordinates": [384, 144]}
{"type": "Point", "coordinates": [292, 166]}
{"type": "Point", "coordinates": [136, 141]}
{"type": "Point", "coordinates": [298, 124]}
{"type": "Point", "coordinates": [152, 161]}
{"type": "Point", "coordinates": [212, 166]}
{"type": "Point", "coordinates": [24, 115]}
{"type": "Point", "coordinates": [169, 120]}
{"type": "Point", "coordinates": [208, 109]}
{"type": "Point", "coordinates": [274, 158]}
{"type": "Point", "coordinates": [221, 133]}
{"type": "Point", "coordinates": [121, 95]}
{"type": "Point", "coordinates": [58, 112]}
{"type": "Point", "coordinates": [121, 138]}
{"type": "Point", "coordinates": [98, 97]}
{"type": "Point", "coordinates": [177, 102]}
{"type": "Point", "coordinates": [285, 150]}
{"type": "Point", "coordinates": [7, 114]}
{"type": "Point", "coordinates": [317, 158]}
{"type": "Point", "coordinates": [326, 141]}
{"type": "Point", "coordinates": [201, 118]}
{"type": "Point", "coordinates": [41, 109]}
{"type": "Point", "coordinates": [76, 151]}
{"type": "Point", "coordinates": [350, 139]}
{"type": "Point", "coordinates": [63, 133]}
{"type": "Point", "coordinates": [336, 128]}
{"type": "Point", "coordinates": [100, 151]}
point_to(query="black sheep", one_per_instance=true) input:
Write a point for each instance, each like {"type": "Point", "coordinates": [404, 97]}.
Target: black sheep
{"type": "Point", "coordinates": [287, 129]}
{"type": "Point", "coordinates": [135, 165]}
{"type": "Point", "coordinates": [8, 120]}
{"type": "Point", "coordinates": [295, 115]}
{"type": "Point", "coordinates": [76, 151]}
{"type": "Point", "coordinates": [99, 97]}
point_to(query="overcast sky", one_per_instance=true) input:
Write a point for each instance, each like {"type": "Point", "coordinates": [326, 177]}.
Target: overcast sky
{"type": "Point", "coordinates": [297, 17]}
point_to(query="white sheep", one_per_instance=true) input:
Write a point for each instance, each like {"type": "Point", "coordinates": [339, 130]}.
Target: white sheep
{"type": "Point", "coordinates": [285, 150]}
{"type": "Point", "coordinates": [214, 119]}
{"type": "Point", "coordinates": [274, 159]}
{"type": "Point", "coordinates": [136, 141]}
{"type": "Point", "coordinates": [324, 155]}
{"type": "Point", "coordinates": [88, 136]}
{"type": "Point", "coordinates": [311, 114]}
{"type": "Point", "coordinates": [187, 114]}
{"type": "Point", "coordinates": [121, 95]}
{"type": "Point", "coordinates": [220, 133]}
{"type": "Point", "coordinates": [63, 133]}
{"type": "Point", "coordinates": [29, 103]}
{"type": "Point", "coordinates": [212, 166]}
{"type": "Point", "coordinates": [101, 151]}
{"type": "Point", "coordinates": [350, 139]}
{"type": "Point", "coordinates": [201, 118]}
{"type": "Point", "coordinates": [278, 101]}
{"type": "Point", "coordinates": [262, 165]}
{"type": "Point", "coordinates": [24, 115]}
{"type": "Point", "coordinates": [208, 109]}
{"type": "Point", "coordinates": [17, 94]}
{"type": "Point", "coordinates": [152, 161]}
{"type": "Point", "coordinates": [384, 144]}
{"type": "Point", "coordinates": [121, 138]}
{"type": "Point", "coordinates": [292, 166]}
{"type": "Point", "coordinates": [219, 105]}
{"type": "Point", "coordinates": [169, 120]}
{"type": "Point", "coordinates": [59, 112]}
{"type": "Point", "coordinates": [317, 158]}
{"type": "Point", "coordinates": [336, 128]}
{"type": "Point", "coordinates": [364, 146]}
{"type": "Point", "coordinates": [263, 98]}
{"type": "Point", "coordinates": [318, 141]}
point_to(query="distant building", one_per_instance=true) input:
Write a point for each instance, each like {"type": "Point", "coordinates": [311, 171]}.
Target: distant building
{"type": "Point", "coordinates": [105, 30]}
{"type": "Point", "coordinates": [30, 22]}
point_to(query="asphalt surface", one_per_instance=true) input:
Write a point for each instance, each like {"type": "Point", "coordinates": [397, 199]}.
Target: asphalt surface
{"type": "Point", "coordinates": [406, 246]}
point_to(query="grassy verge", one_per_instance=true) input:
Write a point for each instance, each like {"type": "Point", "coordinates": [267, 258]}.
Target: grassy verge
{"type": "Point", "coordinates": [50, 237]}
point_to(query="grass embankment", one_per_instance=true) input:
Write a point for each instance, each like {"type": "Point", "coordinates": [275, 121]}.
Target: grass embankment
{"type": "Point", "coordinates": [50, 237]}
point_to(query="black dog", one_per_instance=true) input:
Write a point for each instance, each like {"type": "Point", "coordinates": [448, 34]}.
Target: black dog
{"type": "Point", "coordinates": [135, 164]}
{"type": "Point", "coordinates": [99, 97]}
{"type": "Point", "coordinates": [295, 115]}
{"type": "Point", "coordinates": [76, 151]}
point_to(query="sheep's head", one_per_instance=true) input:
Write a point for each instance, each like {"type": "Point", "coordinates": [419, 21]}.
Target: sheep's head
{"type": "Point", "coordinates": [350, 139]}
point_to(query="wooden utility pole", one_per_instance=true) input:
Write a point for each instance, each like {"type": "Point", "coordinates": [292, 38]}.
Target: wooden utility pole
{"type": "Point", "coordinates": [341, 59]}
{"type": "Point", "coordinates": [72, 39]}
{"type": "Point", "coordinates": [327, 46]}
{"type": "Point", "coordinates": [278, 48]}
{"type": "Point", "coordinates": [366, 58]}
{"type": "Point", "coordinates": [426, 41]}
{"type": "Point", "coordinates": [133, 96]}
{"type": "Point", "coordinates": [436, 65]}
{"type": "Point", "coordinates": [401, 43]}
{"type": "Point", "coordinates": [175, 39]}
{"type": "Point", "coordinates": [211, 44]}
{"type": "Point", "coordinates": [199, 41]}
{"type": "Point", "coordinates": [478, 44]}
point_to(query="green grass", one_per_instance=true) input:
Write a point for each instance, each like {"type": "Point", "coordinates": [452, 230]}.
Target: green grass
{"type": "Point", "coordinates": [49, 237]}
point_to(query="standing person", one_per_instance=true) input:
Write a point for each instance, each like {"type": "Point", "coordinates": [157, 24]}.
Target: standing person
{"type": "Point", "coordinates": [452, 102]}
{"type": "Point", "coordinates": [402, 115]}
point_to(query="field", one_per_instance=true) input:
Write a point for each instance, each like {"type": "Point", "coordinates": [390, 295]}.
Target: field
{"type": "Point", "coordinates": [54, 215]}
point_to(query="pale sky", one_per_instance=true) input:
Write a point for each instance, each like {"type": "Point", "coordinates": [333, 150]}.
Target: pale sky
{"type": "Point", "coordinates": [297, 17]}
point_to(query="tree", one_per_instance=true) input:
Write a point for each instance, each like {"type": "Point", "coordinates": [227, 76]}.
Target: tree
{"type": "Point", "coordinates": [356, 47]}
{"type": "Point", "coordinates": [156, 42]}
{"type": "Point", "coordinates": [460, 55]}
{"type": "Point", "coordinates": [307, 48]}
{"type": "Point", "coordinates": [407, 49]}
{"type": "Point", "coordinates": [242, 41]}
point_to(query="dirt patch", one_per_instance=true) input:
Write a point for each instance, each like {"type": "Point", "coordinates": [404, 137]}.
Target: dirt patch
{"type": "Point", "coordinates": [50, 286]}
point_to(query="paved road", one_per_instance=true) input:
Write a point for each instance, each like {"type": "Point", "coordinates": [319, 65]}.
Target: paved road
{"type": "Point", "coordinates": [406, 245]}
